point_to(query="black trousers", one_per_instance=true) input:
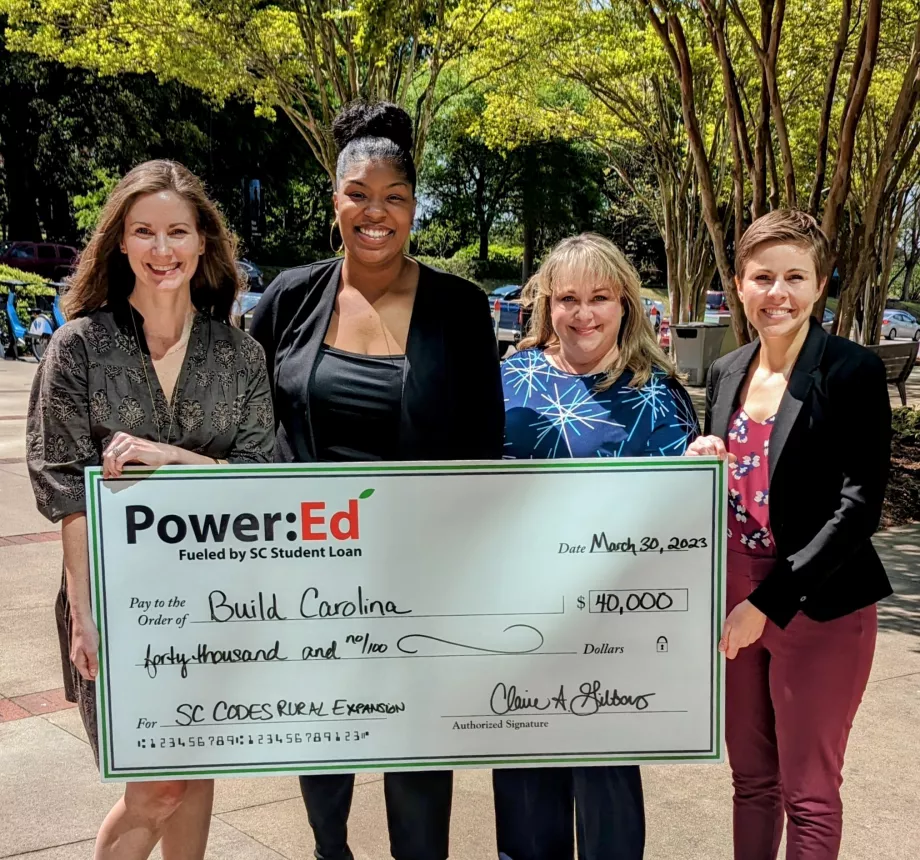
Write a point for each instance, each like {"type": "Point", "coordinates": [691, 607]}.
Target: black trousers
{"type": "Point", "coordinates": [418, 813]}
{"type": "Point", "coordinates": [533, 813]}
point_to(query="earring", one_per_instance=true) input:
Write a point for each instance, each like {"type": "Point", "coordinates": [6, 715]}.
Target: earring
{"type": "Point", "coordinates": [331, 234]}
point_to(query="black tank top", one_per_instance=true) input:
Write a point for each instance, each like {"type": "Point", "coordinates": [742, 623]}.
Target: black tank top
{"type": "Point", "coordinates": [355, 403]}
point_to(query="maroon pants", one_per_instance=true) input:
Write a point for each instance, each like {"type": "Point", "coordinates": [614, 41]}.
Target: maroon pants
{"type": "Point", "coordinates": [790, 702]}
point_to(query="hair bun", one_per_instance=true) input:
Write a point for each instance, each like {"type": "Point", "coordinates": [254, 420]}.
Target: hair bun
{"type": "Point", "coordinates": [373, 119]}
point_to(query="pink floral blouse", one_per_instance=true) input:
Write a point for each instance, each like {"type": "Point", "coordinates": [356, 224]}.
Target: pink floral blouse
{"type": "Point", "coordinates": [749, 486]}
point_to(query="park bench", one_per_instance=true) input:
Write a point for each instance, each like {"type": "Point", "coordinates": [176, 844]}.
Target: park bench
{"type": "Point", "coordinates": [899, 360]}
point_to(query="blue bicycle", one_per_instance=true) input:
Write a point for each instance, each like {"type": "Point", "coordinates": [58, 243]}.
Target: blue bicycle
{"type": "Point", "coordinates": [12, 330]}
{"type": "Point", "coordinates": [43, 326]}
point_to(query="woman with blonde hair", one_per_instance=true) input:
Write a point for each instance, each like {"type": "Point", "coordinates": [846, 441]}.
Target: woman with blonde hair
{"type": "Point", "coordinates": [148, 370]}
{"type": "Point", "coordinates": [588, 380]}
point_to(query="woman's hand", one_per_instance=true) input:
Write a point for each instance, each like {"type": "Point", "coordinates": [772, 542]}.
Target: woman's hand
{"type": "Point", "coordinates": [743, 627]}
{"type": "Point", "coordinates": [84, 647]}
{"type": "Point", "coordinates": [709, 446]}
{"type": "Point", "coordinates": [124, 449]}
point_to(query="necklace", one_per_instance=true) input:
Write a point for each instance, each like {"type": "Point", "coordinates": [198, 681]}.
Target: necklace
{"type": "Point", "coordinates": [169, 404]}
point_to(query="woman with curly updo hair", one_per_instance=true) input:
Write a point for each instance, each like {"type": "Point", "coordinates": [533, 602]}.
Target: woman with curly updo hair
{"type": "Point", "coordinates": [374, 356]}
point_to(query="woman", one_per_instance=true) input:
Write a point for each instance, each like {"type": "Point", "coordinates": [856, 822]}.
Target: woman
{"type": "Point", "coordinates": [588, 381]}
{"type": "Point", "coordinates": [374, 356]}
{"type": "Point", "coordinates": [805, 420]}
{"type": "Point", "coordinates": [150, 371]}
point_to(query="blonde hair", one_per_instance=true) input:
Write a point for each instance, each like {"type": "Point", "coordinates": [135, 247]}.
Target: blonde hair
{"type": "Point", "coordinates": [592, 256]}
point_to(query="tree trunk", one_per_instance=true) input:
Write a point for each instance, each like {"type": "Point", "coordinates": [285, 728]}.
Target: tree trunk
{"type": "Point", "coordinates": [530, 241]}
{"type": "Point", "coordinates": [908, 277]}
{"type": "Point", "coordinates": [22, 204]}
{"type": "Point", "coordinates": [484, 230]}
{"type": "Point", "coordinates": [830, 89]}
{"type": "Point", "coordinates": [881, 189]}
{"type": "Point", "coordinates": [860, 80]}
{"type": "Point", "coordinates": [680, 58]}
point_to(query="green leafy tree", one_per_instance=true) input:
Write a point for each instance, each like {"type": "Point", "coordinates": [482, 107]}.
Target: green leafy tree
{"type": "Point", "coordinates": [469, 184]}
{"type": "Point", "coordinates": [88, 206]}
{"type": "Point", "coordinates": [620, 99]}
{"type": "Point", "coordinates": [305, 58]}
{"type": "Point", "coordinates": [774, 90]}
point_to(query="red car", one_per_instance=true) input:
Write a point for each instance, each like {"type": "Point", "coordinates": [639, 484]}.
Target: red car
{"type": "Point", "coordinates": [47, 259]}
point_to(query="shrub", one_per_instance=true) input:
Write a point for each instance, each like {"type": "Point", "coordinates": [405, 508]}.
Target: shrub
{"type": "Point", "coordinates": [452, 265]}
{"type": "Point", "coordinates": [26, 295]}
{"type": "Point", "coordinates": [905, 422]}
{"type": "Point", "coordinates": [498, 267]}
{"type": "Point", "coordinates": [8, 273]}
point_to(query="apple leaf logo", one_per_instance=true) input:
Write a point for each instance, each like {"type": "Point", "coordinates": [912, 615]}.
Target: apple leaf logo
{"type": "Point", "coordinates": [366, 494]}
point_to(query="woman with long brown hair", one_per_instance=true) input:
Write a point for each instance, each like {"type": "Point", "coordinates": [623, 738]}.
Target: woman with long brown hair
{"type": "Point", "coordinates": [148, 370]}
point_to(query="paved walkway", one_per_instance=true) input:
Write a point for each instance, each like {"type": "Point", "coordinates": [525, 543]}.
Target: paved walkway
{"type": "Point", "coordinates": [53, 801]}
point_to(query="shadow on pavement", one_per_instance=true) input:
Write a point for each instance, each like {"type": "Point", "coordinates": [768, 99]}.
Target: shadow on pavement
{"type": "Point", "coordinates": [900, 552]}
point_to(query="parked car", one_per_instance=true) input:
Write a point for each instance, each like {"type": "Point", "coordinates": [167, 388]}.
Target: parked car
{"type": "Point", "coordinates": [897, 324]}
{"type": "Point", "coordinates": [503, 292]}
{"type": "Point", "coordinates": [827, 321]}
{"type": "Point", "coordinates": [253, 275]}
{"type": "Point", "coordinates": [243, 307]}
{"type": "Point", "coordinates": [50, 260]}
{"type": "Point", "coordinates": [508, 316]}
{"type": "Point", "coordinates": [715, 301]}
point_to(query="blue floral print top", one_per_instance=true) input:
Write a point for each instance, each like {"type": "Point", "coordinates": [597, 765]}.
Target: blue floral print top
{"type": "Point", "coordinates": [550, 414]}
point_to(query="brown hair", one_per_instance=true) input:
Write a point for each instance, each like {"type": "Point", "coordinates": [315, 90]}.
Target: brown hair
{"type": "Point", "coordinates": [591, 255]}
{"type": "Point", "coordinates": [104, 273]}
{"type": "Point", "coordinates": [792, 227]}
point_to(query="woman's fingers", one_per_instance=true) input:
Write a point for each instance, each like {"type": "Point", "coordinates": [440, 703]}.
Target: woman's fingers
{"type": "Point", "coordinates": [116, 442]}
{"type": "Point", "coordinates": [126, 454]}
{"type": "Point", "coordinates": [120, 451]}
{"type": "Point", "coordinates": [87, 664]}
{"type": "Point", "coordinates": [719, 447]}
{"type": "Point", "coordinates": [708, 446]}
{"type": "Point", "coordinates": [92, 664]}
{"type": "Point", "coordinates": [725, 641]}
{"type": "Point", "coordinates": [700, 448]}
{"type": "Point", "coordinates": [110, 455]}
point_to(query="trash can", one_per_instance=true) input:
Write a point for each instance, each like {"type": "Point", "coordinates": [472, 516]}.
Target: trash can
{"type": "Point", "coordinates": [696, 346]}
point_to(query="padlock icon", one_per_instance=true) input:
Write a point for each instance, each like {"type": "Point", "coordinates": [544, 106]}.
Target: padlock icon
{"type": "Point", "coordinates": [662, 645]}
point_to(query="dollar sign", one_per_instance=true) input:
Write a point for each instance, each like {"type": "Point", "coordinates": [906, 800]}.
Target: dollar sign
{"type": "Point", "coordinates": [581, 603]}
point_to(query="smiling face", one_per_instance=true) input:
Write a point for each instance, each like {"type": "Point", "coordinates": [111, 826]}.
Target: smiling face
{"type": "Point", "coordinates": [586, 317]}
{"type": "Point", "coordinates": [779, 288]}
{"type": "Point", "coordinates": [162, 241]}
{"type": "Point", "coordinates": [375, 208]}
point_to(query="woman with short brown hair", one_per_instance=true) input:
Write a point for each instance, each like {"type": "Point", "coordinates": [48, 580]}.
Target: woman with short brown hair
{"type": "Point", "coordinates": [148, 370]}
{"type": "Point", "coordinates": [805, 422]}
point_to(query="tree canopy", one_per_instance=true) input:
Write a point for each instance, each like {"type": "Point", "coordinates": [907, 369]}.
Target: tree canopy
{"type": "Point", "coordinates": [305, 58]}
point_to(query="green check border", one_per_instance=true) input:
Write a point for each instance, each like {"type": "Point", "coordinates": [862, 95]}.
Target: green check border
{"type": "Point", "coordinates": [93, 479]}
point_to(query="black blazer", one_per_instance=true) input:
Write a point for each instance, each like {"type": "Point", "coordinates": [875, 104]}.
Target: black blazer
{"type": "Point", "coordinates": [453, 407]}
{"type": "Point", "coordinates": [830, 453]}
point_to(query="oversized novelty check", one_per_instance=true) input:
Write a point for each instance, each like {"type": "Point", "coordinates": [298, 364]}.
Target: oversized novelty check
{"type": "Point", "coordinates": [295, 619]}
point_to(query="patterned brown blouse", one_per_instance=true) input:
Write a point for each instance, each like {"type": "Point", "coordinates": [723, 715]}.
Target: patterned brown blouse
{"type": "Point", "coordinates": [91, 383]}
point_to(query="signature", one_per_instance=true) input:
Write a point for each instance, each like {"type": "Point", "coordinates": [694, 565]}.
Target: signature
{"type": "Point", "coordinates": [592, 698]}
